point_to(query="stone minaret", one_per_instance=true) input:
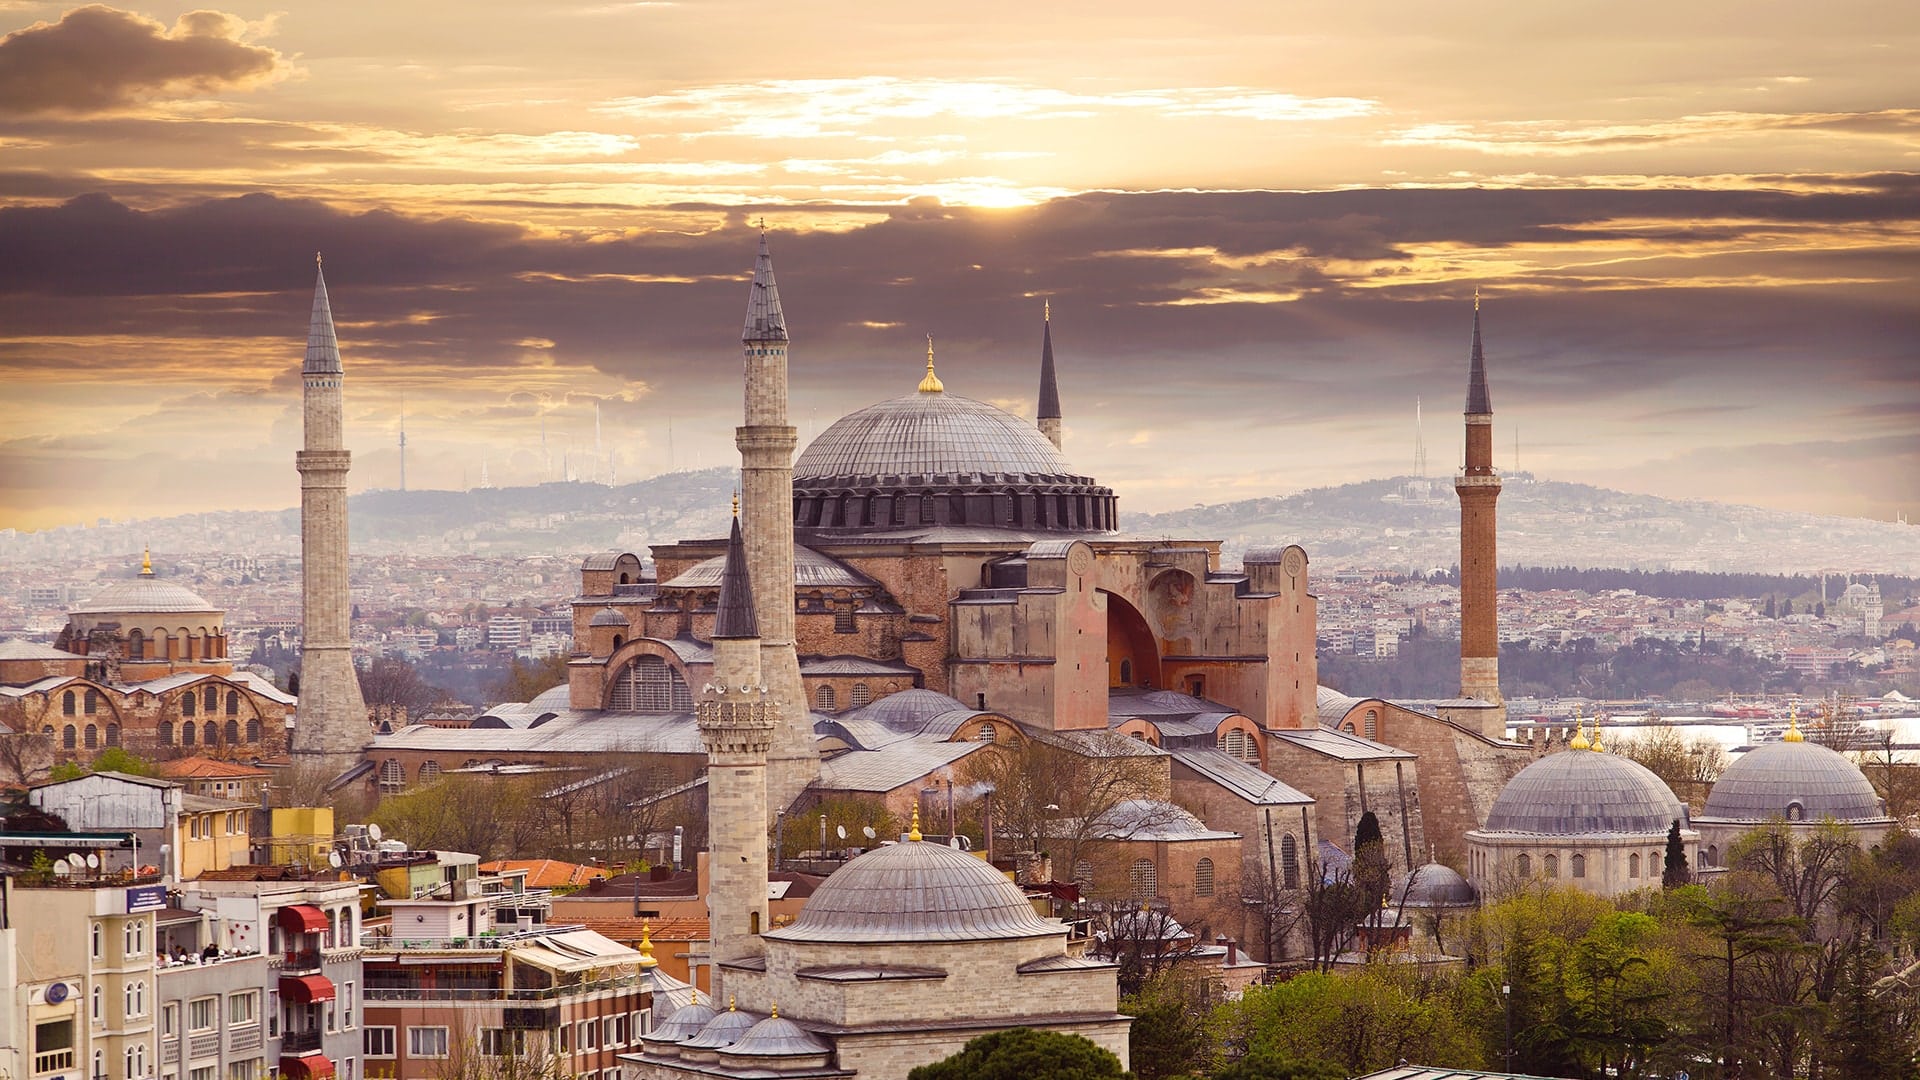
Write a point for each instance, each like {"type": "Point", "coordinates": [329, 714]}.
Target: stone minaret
{"type": "Point", "coordinates": [1048, 414]}
{"type": "Point", "coordinates": [738, 718]}
{"type": "Point", "coordinates": [1479, 487]}
{"type": "Point", "coordinates": [330, 724]}
{"type": "Point", "coordinates": [766, 443]}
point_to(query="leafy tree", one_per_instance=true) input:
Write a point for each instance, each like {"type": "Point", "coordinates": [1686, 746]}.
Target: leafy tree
{"type": "Point", "coordinates": [1868, 1034]}
{"type": "Point", "coordinates": [488, 816]}
{"type": "Point", "coordinates": [801, 831]}
{"type": "Point", "coordinates": [392, 682]}
{"type": "Point", "coordinates": [1275, 1065]}
{"type": "Point", "coordinates": [1170, 1037]}
{"type": "Point", "coordinates": [1026, 1054]}
{"type": "Point", "coordinates": [526, 678]}
{"type": "Point", "coordinates": [1362, 1021]}
{"type": "Point", "coordinates": [1674, 873]}
{"type": "Point", "coordinates": [113, 759]}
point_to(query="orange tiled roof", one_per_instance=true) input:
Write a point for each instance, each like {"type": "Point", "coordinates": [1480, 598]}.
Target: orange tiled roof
{"type": "Point", "coordinates": [546, 873]}
{"type": "Point", "coordinates": [206, 768]}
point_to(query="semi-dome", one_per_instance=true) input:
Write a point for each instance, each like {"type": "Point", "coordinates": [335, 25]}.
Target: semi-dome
{"type": "Point", "coordinates": [1801, 781]}
{"type": "Point", "coordinates": [145, 594]}
{"type": "Point", "coordinates": [915, 891]}
{"type": "Point", "coordinates": [1577, 792]}
{"type": "Point", "coordinates": [1434, 885]}
{"type": "Point", "coordinates": [607, 616]}
{"type": "Point", "coordinates": [937, 459]}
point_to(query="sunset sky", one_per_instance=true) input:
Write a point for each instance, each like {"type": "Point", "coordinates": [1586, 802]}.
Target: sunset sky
{"type": "Point", "coordinates": [1695, 228]}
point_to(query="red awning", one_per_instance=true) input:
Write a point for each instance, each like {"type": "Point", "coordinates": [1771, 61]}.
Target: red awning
{"type": "Point", "coordinates": [302, 919]}
{"type": "Point", "coordinates": [309, 1067]}
{"type": "Point", "coordinates": [306, 989]}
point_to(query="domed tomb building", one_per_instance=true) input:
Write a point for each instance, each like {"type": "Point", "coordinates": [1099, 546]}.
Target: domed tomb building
{"type": "Point", "coordinates": [1594, 820]}
{"type": "Point", "coordinates": [898, 960]}
{"type": "Point", "coordinates": [1794, 781]}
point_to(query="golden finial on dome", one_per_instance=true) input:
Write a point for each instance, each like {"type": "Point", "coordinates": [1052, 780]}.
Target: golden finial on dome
{"type": "Point", "coordinates": [732, 1005]}
{"type": "Point", "coordinates": [1046, 309]}
{"type": "Point", "coordinates": [1598, 746]}
{"type": "Point", "coordinates": [646, 946]}
{"type": "Point", "coordinates": [931, 384]}
{"type": "Point", "coordinates": [776, 1010]}
{"type": "Point", "coordinates": [1579, 741]}
{"type": "Point", "coordinates": [146, 562]}
{"type": "Point", "coordinates": [913, 833]}
{"type": "Point", "coordinates": [1793, 726]}
{"type": "Point", "coordinates": [736, 504]}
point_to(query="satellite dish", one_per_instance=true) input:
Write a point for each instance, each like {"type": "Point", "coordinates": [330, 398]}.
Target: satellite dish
{"type": "Point", "coordinates": [78, 860]}
{"type": "Point", "coordinates": [333, 859]}
{"type": "Point", "coordinates": [842, 830]}
{"type": "Point", "coordinates": [93, 862]}
{"type": "Point", "coordinates": [953, 842]}
{"type": "Point", "coordinates": [61, 869]}
{"type": "Point", "coordinates": [374, 831]}
{"type": "Point", "coordinates": [868, 829]}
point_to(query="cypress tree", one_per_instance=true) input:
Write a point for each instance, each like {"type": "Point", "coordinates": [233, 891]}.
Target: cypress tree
{"type": "Point", "coordinates": [1676, 872]}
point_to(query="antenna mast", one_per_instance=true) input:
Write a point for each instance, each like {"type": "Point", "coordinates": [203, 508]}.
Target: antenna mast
{"type": "Point", "coordinates": [1419, 443]}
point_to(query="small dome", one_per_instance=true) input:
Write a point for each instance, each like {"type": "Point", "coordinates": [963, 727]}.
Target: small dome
{"type": "Point", "coordinates": [916, 891]}
{"type": "Point", "coordinates": [686, 1022]}
{"type": "Point", "coordinates": [722, 1031]}
{"type": "Point", "coordinates": [910, 709]}
{"type": "Point", "coordinates": [929, 434]}
{"type": "Point", "coordinates": [1767, 781]}
{"type": "Point", "coordinates": [607, 616]}
{"type": "Point", "coordinates": [554, 697]}
{"type": "Point", "coordinates": [1576, 792]}
{"type": "Point", "coordinates": [145, 594]}
{"type": "Point", "coordinates": [777, 1036]}
{"type": "Point", "coordinates": [1434, 885]}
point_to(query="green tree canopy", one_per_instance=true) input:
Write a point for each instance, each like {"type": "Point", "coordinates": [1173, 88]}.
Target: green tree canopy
{"type": "Point", "coordinates": [1026, 1054]}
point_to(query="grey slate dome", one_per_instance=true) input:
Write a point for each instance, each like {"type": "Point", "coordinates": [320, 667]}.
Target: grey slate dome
{"type": "Point", "coordinates": [937, 459]}
{"type": "Point", "coordinates": [1434, 885]}
{"type": "Point", "coordinates": [607, 616]}
{"type": "Point", "coordinates": [686, 1022]}
{"type": "Point", "coordinates": [145, 594]}
{"type": "Point", "coordinates": [1578, 792]}
{"type": "Point", "coordinates": [723, 1030]}
{"type": "Point", "coordinates": [1772, 778]}
{"type": "Point", "coordinates": [916, 891]}
{"type": "Point", "coordinates": [777, 1036]}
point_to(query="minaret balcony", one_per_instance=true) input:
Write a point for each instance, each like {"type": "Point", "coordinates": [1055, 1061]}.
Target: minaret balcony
{"type": "Point", "coordinates": [1489, 479]}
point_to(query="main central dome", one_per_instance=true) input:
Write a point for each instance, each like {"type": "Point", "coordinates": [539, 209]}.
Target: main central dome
{"type": "Point", "coordinates": [929, 434]}
{"type": "Point", "coordinates": [916, 891]}
{"type": "Point", "coordinates": [934, 459]}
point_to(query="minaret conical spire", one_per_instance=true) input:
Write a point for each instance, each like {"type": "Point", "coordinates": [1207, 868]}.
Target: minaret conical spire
{"type": "Point", "coordinates": [1047, 415]}
{"type": "Point", "coordinates": [733, 617]}
{"type": "Point", "coordinates": [323, 349]}
{"type": "Point", "coordinates": [765, 320]}
{"type": "Point", "coordinates": [1479, 403]}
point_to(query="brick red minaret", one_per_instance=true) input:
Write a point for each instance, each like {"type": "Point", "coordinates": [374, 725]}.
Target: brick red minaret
{"type": "Point", "coordinates": [1479, 488]}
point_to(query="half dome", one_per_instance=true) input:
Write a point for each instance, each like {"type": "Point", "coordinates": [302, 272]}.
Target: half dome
{"type": "Point", "coordinates": [1581, 792]}
{"type": "Point", "coordinates": [1793, 781]}
{"type": "Point", "coordinates": [916, 891]}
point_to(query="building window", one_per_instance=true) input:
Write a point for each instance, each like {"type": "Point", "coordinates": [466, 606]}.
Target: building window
{"type": "Point", "coordinates": [346, 988]}
{"type": "Point", "coordinates": [113, 734]}
{"type": "Point", "coordinates": [136, 1061]}
{"type": "Point", "coordinates": [499, 1042]}
{"type": "Point", "coordinates": [67, 707]}
{"type": "Point", "coordinates": [1579, 866]}
{"type": "Point", "coordinates": [1633, 865]}
{"type": "Point", "coordinates": [166, 733]}
{"type": "Point", "coordinates": [379, 1042]}
{"type": "Point", "coordinates": [205, 1072]}
{"type": "Point", "coordinates": [53, 1046]}
{"type": "Point", "coordinates": [99, 1065]}
{"type": "Point", "coordinates": [136, 998]}
{"type": "Point", "coordinates": [1523, 866]}
{"type": "Point", "coordinates": [1552, 863]}
{"type": "Point", "coordinates": [987, 733]}
{"type": "Point", "coordinates": [211, 733]}
{"type": "Point", "coordinates": [823, 699]}
{"type": "Point", "coordinates": [393, 775]}
{"type": "Point", "coordinates": [187, 731]}
{"type": "Point", "coordinates": [427, 1042]}
{"type": "Point", "coordinates": [203, 1014]}
{"type": "Point", "coordinates": [170, 1021]}
{"type": "Point", "coordinates": [243, 1070]}
{"type": "Point", "coordinates": [588, 1037]}
{"type": "Point", "coordinates": [1126, 673]}
{"type": "Point", "coordinates": [1289, 862]}
{"type": "Point", "coordinates": [93, 702]}
{"type": "Point", "coordinates": [1203, 878]}
{"type": "Point", "coordinates": [843, 620]}
{"type": "Point", "coordinates": [99, 941]}
{"type": "Point", "coordinates": [213, 698]}
{"type": "Point", "coordinates": [1373, 723]}
{"type": "Point", "coordinates": [233, 731]}
{"type": "Point", "coordinates": [70, 738]}
{"type": "Point", "coordinates": [243, 1008]}
{"type": "Point", "coordinates": [187, 704]}
{"type": "Point", "coordinates": [253, 730]}
{"type": "Point", "coordinates": [649, 685]}
{"type": "Point", "coordinates": [1143, 878]}
{"type": "Point", "coordinates": [99, 1013]}
{"type": "Point", "coordinates": [233, 703]}
{"type": "Point", "coordinates": [862, 694]}
{"type": "Point", "coordinates": [622, 1033]}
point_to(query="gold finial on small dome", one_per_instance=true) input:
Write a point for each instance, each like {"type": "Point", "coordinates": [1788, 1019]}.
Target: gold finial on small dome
{"type": "Point", "coordinates": [146, 562]}
{"type": "Point", "coordinates": [1579, 741]}
{"type": "Point", "coordinates": [1793, 726]}
{"type": "Point", "coordinates": [776, 1010]}
{"type": "Point", "coordinates": [732, 1005]}
{"type": "Point", "coordinates": [931, 384]}
{"type": "Point", "coordinates": [913, 833]}
{"type": "Point", "coordinates": [646, 946]}
{"type": "Point", "coordinates": [1598, 746]}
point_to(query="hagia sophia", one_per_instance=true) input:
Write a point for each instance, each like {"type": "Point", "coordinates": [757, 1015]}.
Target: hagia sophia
{"type": "Point", "coordinates": [927, 584]}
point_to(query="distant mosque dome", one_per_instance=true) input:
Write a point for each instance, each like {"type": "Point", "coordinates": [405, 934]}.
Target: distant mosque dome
{"type": "Point", "coordinates": [1434, 885]}
{"type": "Point", "coordinates": [1793, 781]}
{"type": "Point", "coordinates": [1580, 792]}
{"type": "Point", "coordinates": [933, 458]}
{"type": "Point", "coordinates": [916, 891]}
{"type": "Point", "coordinates": [145, 595]}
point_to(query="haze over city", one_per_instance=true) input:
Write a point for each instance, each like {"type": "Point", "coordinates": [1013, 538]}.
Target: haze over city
{"type": "Point", "coordinates": [1260, 232]}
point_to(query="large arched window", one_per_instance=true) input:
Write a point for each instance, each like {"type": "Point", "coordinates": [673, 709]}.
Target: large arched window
{"type": "Point", "coordinates": [213, 698]}
{"type": "Point", "coordinates": [987, 733]}
{"type": "Point", "coordinates": [861, 695]}
{"type": "Point", "coordinates": [1373, 723]}
{"type": "Point", "coordinates": [253, 730]}
{"type": "Point", "coordinates": [1144, 879]}
{"type": "Point", "coordinates": [210, 734]}
{"type": "Point", "coordinates": [233, 703]}
{"type": "Point", "coordinates": [113, 734]}
{"type": "Point", "coordinates": [429, 771]}
{"type": "Point", "coordinates": [1203, 878]}
{"type": "Point", "coordinates": [1579, 866]}
{"type": "Point", "coordinates": [233, 731]}
{"type": "Point", "coordinates": [93, 702]}
{"type": "Point", "coordinates": [166, 733]}
{"type": "Point", "coordinates": [68, 706]}
{"type": "Point", "coordinates": [1553, 866]}
{"type": "Point", "coordinates": [1633, 865]}
{"type": "Point", "coordinates": [1523, 866]}
{"type": "Point", "coordinates": [1289, 862]}
{"type": "Point", "coordinates": [393, 775]}
{"type": "Point", "coordinates": [1713, 855]}
{"type": "Point", "coordinates": [824, 700]}
{"type": "Point", "coordinates": [188, 703]}
{"type": "Point", "coordinates": [649, 685]}
{"type": "Point", "coordinates": [70, 737]}
{"type": "Point", "coordinates": [188, 731]}
{"type": "Point", "coordinates": [91, 737]}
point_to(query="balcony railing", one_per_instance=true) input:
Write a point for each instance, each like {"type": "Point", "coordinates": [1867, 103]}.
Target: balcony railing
{"type": "Point", "coordinates": [476, 943]}
{"type": "Point", "coordinates": [300, 1042]}
{"type": "Point", "coordinates": [53, 1060]}
{"type": "Point", "coordinates": [403, 993]}
{"type": "Point", "coordinates": [302, 960]}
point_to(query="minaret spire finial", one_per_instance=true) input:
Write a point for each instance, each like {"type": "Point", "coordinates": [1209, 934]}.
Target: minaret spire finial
{"type": "Point", "coordinates": [316, 259]}
{"type": "Point", "coordinates": [914, 832]}
{"type": "Point", "coordinates": [146, 562]}
{"type": "Point", "coordinates": [1047, 411]}
{"type": "Point", "coordinates": [931, 384]}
